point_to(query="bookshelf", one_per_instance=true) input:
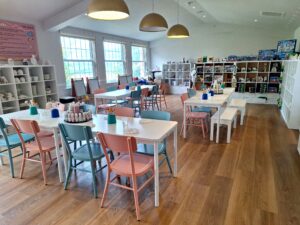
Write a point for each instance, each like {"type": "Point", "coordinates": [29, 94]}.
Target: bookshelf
{"type": "Point", "coordinates": [20, 83]}
{"type": "Point", "coordinates": [290, 92]}
{"type": "Point", "coordinates": [177, 75]}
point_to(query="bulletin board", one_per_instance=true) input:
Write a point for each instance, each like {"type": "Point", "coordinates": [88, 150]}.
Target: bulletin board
{"type": "Point", "coordinates": [17, 40]}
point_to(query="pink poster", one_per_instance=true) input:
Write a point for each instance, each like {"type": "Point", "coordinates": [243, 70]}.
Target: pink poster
{"type": "Point", "coordinates": [17, 40]}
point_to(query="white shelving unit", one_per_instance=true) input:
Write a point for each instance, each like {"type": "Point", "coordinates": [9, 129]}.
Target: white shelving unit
{"type": "Point", "coordinates": [177, 75]}
{"type": "Point", "coordinates": [290, 92]}
{"type": "Point", "coordinates": [19, 83]}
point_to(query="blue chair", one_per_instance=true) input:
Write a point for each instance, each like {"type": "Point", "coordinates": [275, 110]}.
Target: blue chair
{"type": "Point", "coordinates": [90, 152]}
{"type": "Point", "coordinates": [135, 100]}
{"type": "Point", "coordinates": [87, 107]}
{"type": "Point", "coordinates": [152, 100]}
{"type": "Point", "coordinates": [149, 149]}
{"type": "Point", "coordinates": [112, 88]}
{"type": "Point", "coordinates": [191, 93]}
{"type": "Point", "coordinates": [9, 142]}
{"type": "Point", "coordinates": [131, 84]}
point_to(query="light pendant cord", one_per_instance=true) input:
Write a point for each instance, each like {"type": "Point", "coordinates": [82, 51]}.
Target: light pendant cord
{"type": "Point", "coordinates": [152, 5]}
{"type": "Point", "coordinates": [178, 12]}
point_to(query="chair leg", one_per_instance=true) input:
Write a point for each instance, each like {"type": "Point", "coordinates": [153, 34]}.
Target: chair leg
{"type": "Point", "coordinates": [69, 174]}
{"type": "Point", "coordinates": [43, 159]}
{"type": "Point", "coordinates": [168, 161]}
{"type": "Point", "coordinates": [50, 158]}
{"type": "Point", "coordinates": [11, 163]}
{"type": "Point", "coordinates": [165, 102]}
{"type": "Point", "coordinates": [105, 188]}
{"type": "Point", "coordinates": [22, 167]}
{"type": "Point", "coordinates": [203, 129]}
{"type": "Point", "coordinates": [94, 180]}
{"type": "Point", "coordinates": [136, 198]}
{"type": "Point", "coordinates": [211, 130]}
{"type": "Point", "coordinates": [228, 132]}
{"type": "Point", "coordinates": [1, 161]}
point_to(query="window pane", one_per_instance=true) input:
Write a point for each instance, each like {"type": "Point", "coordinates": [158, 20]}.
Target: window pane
{"type": "Point", "coordinates": [138, 69]}
{"type": "Point", "coordinates": [78, 58]}
{"type": "Point", "coordinates": [138, 53]}
{"type": "Point", "coordinates": [112, 71]}
{"type": "Point", "coordinates": [114, 54]}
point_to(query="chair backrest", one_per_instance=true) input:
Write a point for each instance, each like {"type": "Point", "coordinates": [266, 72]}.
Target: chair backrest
{"type": "Point", "coordinates": [92, 85]}
{"type": "Point", "coordinates": [163, 87]}
{"type": "Point", "coordinates": [145, 92]}
{"type": "Point", "coordinates": [3, 127]}
{"type": "Point", "coordinates": [2, 124]}
{"type": "Point", "coordinates": [156, 115]}
{"type": "Point", "coordinates": [76, 133]}
{"type": "Point", "coordinates": [155, 90]}
{"type": "Point", "coordinates": [191, 92]}
{"type": "Point", "coordinates": [87, 107]}
{"type": "Point", "coordinates": [100, 91]}
{"type": "Point", "coordinates": [124, 111]}
{"type": "Point", "coordinates": [112, 88]}
{"type": "Point", "coordinates": [122, 86]}
{"type": "Point", "coordinates": [183, 98]}
{"type": "Point", "coordinates": [136, 94]}
{"type": "Point", "coordinates": [131, 84]}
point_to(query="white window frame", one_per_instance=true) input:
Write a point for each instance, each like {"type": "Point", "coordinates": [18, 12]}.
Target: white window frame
{"type": "Point", "coordinates": [123, 47]}
{"type": "Point", "coordinates": [92, 60]}
{"type": "Point", "coordinates": [145, 55]}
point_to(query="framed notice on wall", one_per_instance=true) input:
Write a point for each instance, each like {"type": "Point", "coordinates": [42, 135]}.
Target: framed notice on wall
{"type": "Point", "coordinates": [17, 40]}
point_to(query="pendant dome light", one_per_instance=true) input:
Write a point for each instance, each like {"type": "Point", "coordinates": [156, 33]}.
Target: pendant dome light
{"type": "Point", "coordinates": [178, 30]}
{"type": "Point", "coordinates": [108, 9]}
{"type": "Point", "coordinates": [153, 22]}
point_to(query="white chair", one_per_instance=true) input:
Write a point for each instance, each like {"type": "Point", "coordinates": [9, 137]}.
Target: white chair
{"type": "Point", "coordinates": [240, 105]}
{"type": "Point", "coordinates": [228, 116]}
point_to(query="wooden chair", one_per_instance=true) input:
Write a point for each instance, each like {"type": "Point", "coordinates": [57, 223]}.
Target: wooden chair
{"type": "Point", "coordinates": [161, 97]}
{"type": "Point", "coordinates": [128, 164]}
{"type": "Point", "coordinates": [151, 101]}
{"type": "Point", "coordinates": [198, 119]}
{"type": "Point", "coordinates": [124, 111]}
{"type": "Point", "coordinates": [40, 147]}
{"type": "Point", "coordinates": [144, 94]}
{"type": "Point", "coordinates": [89, 152]}
{"type": "Point", "coordinates": [8, 142]}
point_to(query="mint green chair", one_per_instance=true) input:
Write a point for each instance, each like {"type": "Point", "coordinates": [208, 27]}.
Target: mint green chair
{"type": "Point", "coordinates": [90, 152]}
{"type": "Point", "coordinates": [10, 141]}
{"type": "Point", "coordinates": [162, 147]}
{"type": "Point", "coordinates": [191, 93]}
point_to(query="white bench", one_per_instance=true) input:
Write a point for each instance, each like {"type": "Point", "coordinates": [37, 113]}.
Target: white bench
{"type": "Point", "coordinates": [228, 116]}
{"type": "Point", "coordinates": [240, 105]}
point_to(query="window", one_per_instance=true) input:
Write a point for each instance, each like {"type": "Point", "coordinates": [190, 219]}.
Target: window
{"type": "Point", "coordinates": [114, 55]}
{"type": "Point", "coordinates": [139, 61]}
{"type": "Point", "coordinates": [78, 56]}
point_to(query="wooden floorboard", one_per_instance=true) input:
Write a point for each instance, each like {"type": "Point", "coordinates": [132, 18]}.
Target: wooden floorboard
{"type": "Point", "coordinates": [255, 180]}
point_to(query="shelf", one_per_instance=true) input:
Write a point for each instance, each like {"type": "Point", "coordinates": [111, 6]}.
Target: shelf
{"type": "Point", "coordinates": [51, 94]}
{"type": "Point", "coordinates": [24, 82]}
{"type": "Point", "coordinates": [6, 101]}
{"type": "Point", "coordinates": [7, 84]}
{"type": "Point", "coordinates": [49, 80]}
{"type": "Point", "coordinates": [38, 96]}
{"type": "Point", "coordinates": [8, 108]}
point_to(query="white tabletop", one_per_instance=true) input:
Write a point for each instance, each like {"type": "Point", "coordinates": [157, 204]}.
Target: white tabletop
{"type": "Point", "coordinates": [216, 100]}
{"type": "Point", "coordinates": [149, 130]}
{"type": "Point", "coordinates": [120, 93]}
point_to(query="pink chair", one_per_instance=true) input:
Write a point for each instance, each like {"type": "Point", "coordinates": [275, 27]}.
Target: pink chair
{"type": "Point", "coordinates": [41, 146]}
{"type": "Point", "coordinates": [127, 164]}
{"type": "Point", "coordinates": [124, 111]}
{"type": "Point", "coordinates": [103, 106]}
{"type": "Point", "coordinates": [198, 119]}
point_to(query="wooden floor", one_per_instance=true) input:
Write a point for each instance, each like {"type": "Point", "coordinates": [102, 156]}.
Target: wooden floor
{"type": "Point", "coordinates": [254, 180]}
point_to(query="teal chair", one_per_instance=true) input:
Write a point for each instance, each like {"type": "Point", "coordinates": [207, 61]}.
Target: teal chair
{"type": "Point", "coordinates": [191, 93]}
{"type": "Point", "coordinates": [112, 88]}
{"type": "Point", "coordinates": [90, 152]}
{"type": "Point", "coordinates": [9, 142]}
{"type": "Point", "coordinates": [149, 149]}
{"type": "Point", "coordinates": [135, 100]}
{"type": "Point", "coordinates": [132, 84]}
{"type": "Point", "coordinates": [151, 101]}
{"type": "Point", "coordinates": [87, 107]}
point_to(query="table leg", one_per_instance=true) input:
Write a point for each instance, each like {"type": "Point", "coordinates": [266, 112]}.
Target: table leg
{"type": "Point", "coordinates": [218, 124]}
{"type": "Point", "coordinates": [184, 120]}
{"type": "Point", "coordinates": [65, 155]}
{"type": "Point", "coordinates": [156, 175]}
{"type": "Point", "coordinates": [57, 151]}
{"type": "Point", "coordinates": [175, 152]}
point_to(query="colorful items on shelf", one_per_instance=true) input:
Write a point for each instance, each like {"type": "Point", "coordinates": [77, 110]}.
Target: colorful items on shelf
{"type": "Point", "coordinates": [76, 114]}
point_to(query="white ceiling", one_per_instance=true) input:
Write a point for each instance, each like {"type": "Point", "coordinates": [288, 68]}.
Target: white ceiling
{"type": "Point", "coordinates": [238, 12]}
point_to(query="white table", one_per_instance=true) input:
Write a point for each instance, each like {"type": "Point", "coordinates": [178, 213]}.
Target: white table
{"type": "Point", "coordinates": [118, 94]}
{"type": "Point", "coordinates": [149, 132]}
{"type": "Point", "coordinates": [217, 101]}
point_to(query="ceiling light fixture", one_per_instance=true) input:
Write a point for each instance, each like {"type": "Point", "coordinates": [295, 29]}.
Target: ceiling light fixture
{"type": "Point", "coordinates": [178, 30]}
{"type": "Point", "coordinates": [108, 9]}
{"type": "Point", "coordinates": [204, 16]}
{"type": "Point", "coordinates": [153, 22]}
{"type": "Point", "coordinates": [256, 20]}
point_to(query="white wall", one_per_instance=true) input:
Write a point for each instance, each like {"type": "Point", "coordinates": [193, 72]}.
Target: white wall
{"type": "Point", "coordinates": [217, 41]}
{"type": "Point", "coordinates": [297, 36]}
